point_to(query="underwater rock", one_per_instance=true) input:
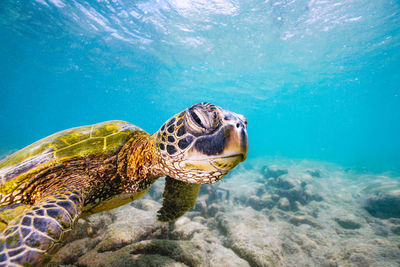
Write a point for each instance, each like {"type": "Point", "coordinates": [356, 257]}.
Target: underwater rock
{"type": "Point", "coordinates": [394, 221]}
{"type": "Point", "coordinates": [347, 223]}
{"type": "Point", "coordinates": [162, 252]}
{"type": "Point", "coordinates": [146, 253]}
{"type": "Point", "coordinates": [380, 227]}
{"type": "Point", "coordinates": [384, 206]}
{"type": "Point", "coordinates": [281, 183]}
{"type": "Point", "coordinates": [299, 220]}
{"type": "Point", "coordinates": [301, 250]}
{"type": "Point", "coordinates": [284, 204]}
{"type": "Point", "coordinates": [295, 192]}
{"type": "Point", "coordinates": [70, 253]}
{"type": "Point", "coordinates": [250, 236]}
{"type": "Point", "coordinates": [261, 203]}
{"type": "Point", "coordinates": [187, 252]}
{"type": "Point", "coordinates": [213, 209]}
{"type": "Point", "coordinates": [241, 199]}
{"type": "Point", "coordinates": [260, 191]}
{"type": "Point", "coordinates": [273, 172]}
{"type": "Point", "coordinates": [200, 234]}
{"type": "Point", "coordinates": [381, 230]}
{"type": "Point", "coordinates": [146, 204]}
{"type": "Point", "coordinates": [396, 230]}
{"type": "Point", "coordinates": [360, 260]}
{"type": "Point", "coordinates": [184, 228]}
{"type": "Point", "coordinates": [377, 252]}
{"type": "Point", "coordinates": [384, 202]}
{"type": "Point", "coordinates": [206, 201]}
{"type": "Point", "coordinates": [275, 197]}
{"type": "Point", "coordinates": [214, 193]}
{"type": "Point", "coordinates": [199, 251]}
{"type": "Point", "coordinates": [127, 228]}
{"type": "Point", "coordinates": [314, 173]}
{"type": "Point", "coordinates": [200, 219]}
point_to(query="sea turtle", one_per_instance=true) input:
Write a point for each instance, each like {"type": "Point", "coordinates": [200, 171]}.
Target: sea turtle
{"type": "Point", "coordinates": [45, 187]}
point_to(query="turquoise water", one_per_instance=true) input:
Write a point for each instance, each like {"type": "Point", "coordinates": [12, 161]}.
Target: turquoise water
{"type": "Point", "coordinates": [316, 79]}
{"type": "Point", "coordinates": [319, 83]}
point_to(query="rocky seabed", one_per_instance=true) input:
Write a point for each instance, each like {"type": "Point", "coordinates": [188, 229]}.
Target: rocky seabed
{"type": "Point", "coordinates": [265, 213]}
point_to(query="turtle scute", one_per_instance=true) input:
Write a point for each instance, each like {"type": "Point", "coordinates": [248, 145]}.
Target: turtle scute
{"type": "Point", "coordinates": [97, 139]}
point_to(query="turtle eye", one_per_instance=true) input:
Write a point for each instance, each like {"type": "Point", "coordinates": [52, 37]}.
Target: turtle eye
{"type": "Point", "coordinates": [202, 119]}
{"type": "Point", "coordinates": [195, 117]}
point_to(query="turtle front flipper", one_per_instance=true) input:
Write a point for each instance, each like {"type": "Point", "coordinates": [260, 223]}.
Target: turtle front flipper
{"type": "Point", "coordinates": [178, 198]}
{"type": "Point", "coordinates": [32, 238]}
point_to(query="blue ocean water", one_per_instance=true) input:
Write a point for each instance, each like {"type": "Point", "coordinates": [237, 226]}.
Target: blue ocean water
{"type": "Point", "coordinates": [316, 79]}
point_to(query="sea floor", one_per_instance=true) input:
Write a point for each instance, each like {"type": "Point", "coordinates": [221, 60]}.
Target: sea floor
{"type": "Point", "coordinates": [266, 213]}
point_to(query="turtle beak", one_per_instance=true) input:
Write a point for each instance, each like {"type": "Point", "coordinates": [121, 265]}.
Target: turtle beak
{"type": "Point", "coordinates": [236, 148]}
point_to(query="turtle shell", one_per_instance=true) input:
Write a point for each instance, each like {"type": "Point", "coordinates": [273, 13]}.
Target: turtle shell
{"type": "Point", "coordinates": [102, 138]}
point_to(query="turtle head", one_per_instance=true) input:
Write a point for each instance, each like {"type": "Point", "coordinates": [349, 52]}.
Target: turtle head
{"type": "Point", "coordinates": [202, 143]}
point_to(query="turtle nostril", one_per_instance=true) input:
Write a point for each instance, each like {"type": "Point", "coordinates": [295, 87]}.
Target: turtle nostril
{"type": "Point", "coordinates": [237, 125]}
